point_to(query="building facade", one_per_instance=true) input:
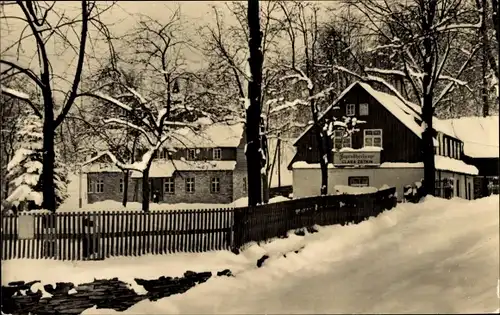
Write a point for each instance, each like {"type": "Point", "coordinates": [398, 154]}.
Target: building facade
{"type": "Point", "coordinates": [481, 139]}
{"type": "Point", "coordinates": [384, 150]}
{"type": "Point", "coordinates": [208, 166]}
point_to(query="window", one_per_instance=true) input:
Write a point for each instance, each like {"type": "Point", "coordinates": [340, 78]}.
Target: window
{"type": "Point", "coordinates": [373, 138]}
{"type": "Point", "coordinates": [363, 109]}
{"type": "Point", "coordinates": [215, 185]}
{"type": "Point", "coordinates": [169, 185]}
{"type": "Point", "coordinates": [191, 154]}
{"type": "Point", "coordinates": [90, 186]}
{"type": "Point", "coordinates": [445, 140]}
{"type": "Point", "coordinates": [351, 109]}
{"type": "Point", "coordinates": [121, 185]}
{"type": "Point", "coordinates": [190, 185]}
{"type": "Point", "coordinates": [217, 154]}
{"type": "Point", "coordinates": [100, 186]}
{"type": "Point", "coordinates": [163, 154]}
{"type": "Point", "coordinates": [359, 181]}
{"type": "Point", "coordinates": [340, 140]}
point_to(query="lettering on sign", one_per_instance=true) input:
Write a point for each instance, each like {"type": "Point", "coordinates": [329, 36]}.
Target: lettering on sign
{"type": "Point", "coordinates": [356, 158]}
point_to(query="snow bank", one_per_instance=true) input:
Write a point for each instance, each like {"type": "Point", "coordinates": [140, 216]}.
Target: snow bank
{"type": "Point", "coordinates": [111, 205]}
{"type": "Point", "coordinates": [418, 258]}
{"type": "Point", "coordinates": [410, 260]}
{"type": "Point", "coordinates": [125, 268]}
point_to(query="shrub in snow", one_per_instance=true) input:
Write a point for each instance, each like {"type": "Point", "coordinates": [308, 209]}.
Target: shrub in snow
{"type": "Point", "coordinates": [413, 193]}
{"type": "Point", "coordinates": [25, 168]}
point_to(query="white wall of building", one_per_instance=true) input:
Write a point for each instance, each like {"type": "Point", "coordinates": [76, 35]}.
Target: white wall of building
{"type": "Point", "coordinates": [463, 181]}
{"type": "Point", "coordinates": [307, 181]}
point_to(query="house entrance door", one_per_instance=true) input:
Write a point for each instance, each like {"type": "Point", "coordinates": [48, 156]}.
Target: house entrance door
{"type": "Point", "coordinates": [156, 189]}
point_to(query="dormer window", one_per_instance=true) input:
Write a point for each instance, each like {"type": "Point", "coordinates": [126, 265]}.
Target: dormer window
{"type": "Point", "coordinates": [351, 109]}
{"type": "Point", "coordinates": [363, 109]}
{"type": "Point", "coordinates": [191, 154]}
{"type": "Point", "coordinates": [217, 154]}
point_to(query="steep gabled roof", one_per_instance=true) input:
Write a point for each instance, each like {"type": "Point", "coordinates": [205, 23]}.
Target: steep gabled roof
{"type": "Point", "coordinates": [406, 112]}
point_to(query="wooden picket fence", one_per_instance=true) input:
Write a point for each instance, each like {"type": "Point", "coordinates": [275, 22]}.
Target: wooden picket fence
{"type": "Point", "coordinates": [261, 223]}
{"type": "Point", "coordinates": [97, 235]}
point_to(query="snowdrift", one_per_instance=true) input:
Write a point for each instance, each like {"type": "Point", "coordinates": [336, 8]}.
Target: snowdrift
{"type": "Point", "coordinates": [439, 256]}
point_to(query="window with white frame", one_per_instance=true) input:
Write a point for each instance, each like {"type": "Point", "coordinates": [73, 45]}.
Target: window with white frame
{"type": "Point", "coordinates": [351, 109]}
{"type": "Point", "coordinates": [217, 154]}
{"type": "Point", "coordinates": [191, 154]}
{"type": "Point", "coordinates": [169, 185]}
{"type": "Point", "coordinates": [90, 186]}
{"type": "Point", "coordinates": [372, 138]}
{"type": "Point", "coordinates": [363, 109]}
{"type": "Point", "coordinates": [190, 185]}
{"type": "Point", "coordinates": [358, 181]}
{"type": "Point", "coordinates": [215, 185]}
{"type": "Point", "coordinates": [121, 185]}
{"type": "Point", "coordinates": [445, 142]}
{"type": "Point", "coordinates": [341, 139]}
{"type": "Point", "coordinates": [99, 186]}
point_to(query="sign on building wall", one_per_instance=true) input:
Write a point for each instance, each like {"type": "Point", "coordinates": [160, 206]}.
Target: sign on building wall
{"type": "Point", "coordinates": [26, 227]}
{"type": "Point", "coordinates": [356, 158]}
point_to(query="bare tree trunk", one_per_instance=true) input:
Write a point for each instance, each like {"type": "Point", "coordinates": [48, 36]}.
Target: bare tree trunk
{"type": "Point", "coordinates": [126, 176]}
{"type": "Point", "coordinates": [253, 111]}
{"type": "Point", "coordinates": [323, 160]}
{"type": "Point", "coordinates": [484, 60]}
{"type": "Point", "coordinates": [47, 176]}
{"type": "Point", "coordinates": [265, 188]}
{"type": "Point", "coordinates": [427, 106]}
{"type": "Point", "coordinates": [6, 189]}
{"type": "Point", "coordinates": [484, 86]}
{"type": "Point", "coordinates": [279, 160]}
{"type": "Point", "coordinates": [127, 173]}
{"type": "Point", "coordinates": [145, 188]}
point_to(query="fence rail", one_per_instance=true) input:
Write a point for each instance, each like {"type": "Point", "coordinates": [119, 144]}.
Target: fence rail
{"type": "Point", "coordinates": [98, 235]}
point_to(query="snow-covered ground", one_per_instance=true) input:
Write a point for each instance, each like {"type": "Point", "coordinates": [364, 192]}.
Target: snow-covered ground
{"type": "Point", "coordinates": [439, 256]}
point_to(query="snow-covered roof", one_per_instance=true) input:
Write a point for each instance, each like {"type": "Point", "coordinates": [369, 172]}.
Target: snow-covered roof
{"type": "Point", "coordinates": [406, 112]}
{"type": "Point", "coordinates": [166, 168]}
{"type": "Point", "coordinates": [442, 163]}
{"type": "Point", "coordinates": [100, 164]}
{"type": "Point", "coordinates": [215, 135]}
{"type": "Point", "coordinates": [480, 135]}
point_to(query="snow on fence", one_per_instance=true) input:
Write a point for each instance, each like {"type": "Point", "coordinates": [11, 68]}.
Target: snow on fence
{"type": "Point", "coordinates": [97, 235]}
